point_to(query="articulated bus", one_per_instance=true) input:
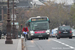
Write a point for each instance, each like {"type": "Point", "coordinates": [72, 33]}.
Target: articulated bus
{"type": "Point", "coordinates": [38, 27]}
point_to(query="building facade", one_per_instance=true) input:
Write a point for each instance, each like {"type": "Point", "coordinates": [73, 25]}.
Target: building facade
{"type": "Point", "coordinates": [3, 9]}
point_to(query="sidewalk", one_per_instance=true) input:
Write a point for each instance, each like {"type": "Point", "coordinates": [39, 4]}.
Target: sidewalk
{"type": "Point", "coordinates": [15, 46]}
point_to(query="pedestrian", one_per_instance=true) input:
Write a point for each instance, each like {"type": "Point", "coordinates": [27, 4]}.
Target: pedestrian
{"type": "Point", "coordinates": [0, 34]}
{"type": "Point", "coordinates": [4, 32]}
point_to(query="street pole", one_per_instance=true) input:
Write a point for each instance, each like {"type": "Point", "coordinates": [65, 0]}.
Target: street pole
{"type": "Point", "coordinates": [8, 38]}
{"type": "Point", "coordinates": [13, 22]}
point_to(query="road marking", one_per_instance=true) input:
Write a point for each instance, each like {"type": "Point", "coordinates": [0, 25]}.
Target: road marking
{"type": "Point", "coordinates": [39, 46]}
{"type": "Point", "coordinates": [71, 47]}
{"type": "Point", "coordinates": [64, 44]}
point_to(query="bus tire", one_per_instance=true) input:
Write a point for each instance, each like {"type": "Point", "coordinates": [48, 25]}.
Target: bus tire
{"type": "Point", "coordinates": [46, 37]}
{"type": "Point", "coordinates": [31, 39]}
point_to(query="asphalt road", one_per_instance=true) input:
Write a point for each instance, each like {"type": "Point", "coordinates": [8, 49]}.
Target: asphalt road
{"type": "Point", "coordinates": [51, 44]}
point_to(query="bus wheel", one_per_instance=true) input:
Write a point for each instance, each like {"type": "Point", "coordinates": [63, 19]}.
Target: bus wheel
{"type": "Point", "coordinates": [31, 39]}
{"type": "Point", "coordinates": [46, 37]}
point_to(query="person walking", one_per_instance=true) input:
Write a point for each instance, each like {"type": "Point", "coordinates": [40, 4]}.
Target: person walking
{"type": "Point", "coordinates": [0, 34]}
{"type": "Point", "coordinates": [4, 32]}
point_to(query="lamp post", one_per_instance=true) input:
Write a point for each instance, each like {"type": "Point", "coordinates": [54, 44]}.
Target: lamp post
{"type": "Point", "coordinates": [13, 22]}
{"type": "Point", "coordinates": [8, 38]}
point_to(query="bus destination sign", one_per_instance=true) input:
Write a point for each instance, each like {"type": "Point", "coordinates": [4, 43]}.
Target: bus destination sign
{"type": "Point", "coordinates": [38, 19]}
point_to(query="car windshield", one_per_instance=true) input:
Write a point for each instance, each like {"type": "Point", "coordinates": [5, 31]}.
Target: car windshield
{"type": "Point", "coordinates": [65, 28]}
{"type": "Point", "coordinates": [39, 25]}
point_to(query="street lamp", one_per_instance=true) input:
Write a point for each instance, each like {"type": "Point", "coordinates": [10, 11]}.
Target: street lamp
{"type": "Point", "coordinates": [8, 38]}
{"type": "Point", "coordinates": [14, 35]}
{"type": "Point", "coordinates": [13, 22]}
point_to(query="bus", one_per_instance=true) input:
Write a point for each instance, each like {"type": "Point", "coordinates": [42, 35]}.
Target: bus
{"type": "Point", "coordinates": [38, 27]}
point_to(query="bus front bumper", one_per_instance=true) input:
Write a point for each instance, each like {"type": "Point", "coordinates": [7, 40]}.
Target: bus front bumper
{"type": "Point", "coordinates": [40, 35]}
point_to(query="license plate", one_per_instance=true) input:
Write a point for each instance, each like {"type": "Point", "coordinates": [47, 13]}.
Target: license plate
{"type": "Point", "coordinates": [65, 32]}
{"type": "Point", "coordinates": [40, 36]}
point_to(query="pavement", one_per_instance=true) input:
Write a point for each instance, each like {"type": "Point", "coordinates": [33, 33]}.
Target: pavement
{"type": "Point", "coordinates": [51, 44]}
{"type": "Point", "coordinates": [15, 46]}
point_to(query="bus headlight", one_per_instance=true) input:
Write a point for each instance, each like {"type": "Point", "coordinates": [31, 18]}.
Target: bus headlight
{"type": "Point", "coordinates": [48, 31]}
{"type": "Point", "coordinates": [31, 32]}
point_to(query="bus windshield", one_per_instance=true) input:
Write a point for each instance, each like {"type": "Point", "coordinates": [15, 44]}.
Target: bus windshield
{"type": "Point", "coordinates": [39, 25]}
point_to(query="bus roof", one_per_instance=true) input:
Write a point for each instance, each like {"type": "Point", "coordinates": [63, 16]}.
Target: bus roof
{"type": "Point", "coordinates": [39, 17]}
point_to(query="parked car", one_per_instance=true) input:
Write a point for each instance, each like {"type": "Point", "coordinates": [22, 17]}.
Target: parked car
{"type": "Point", "coordinates": [64, 31]}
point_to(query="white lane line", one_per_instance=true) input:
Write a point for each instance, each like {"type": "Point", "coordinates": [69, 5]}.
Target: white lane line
{"type": "Point", "coordinates": [64, 44]}
{"type": "Point", "coordinates": [71, 47]}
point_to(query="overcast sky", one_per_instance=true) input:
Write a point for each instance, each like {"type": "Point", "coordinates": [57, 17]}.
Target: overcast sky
{"type": "Point", "coordinates": [64, 1]}
{"type": "Point", "coordinates": [67, 2]}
